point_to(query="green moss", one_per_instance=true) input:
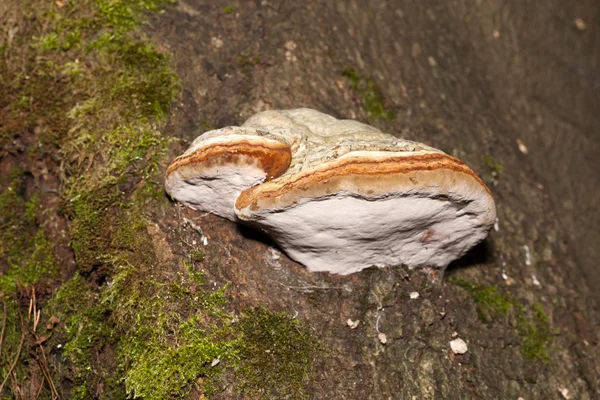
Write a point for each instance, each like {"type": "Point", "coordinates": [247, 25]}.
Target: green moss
{"type": "Point", "coordinates": [195, 276]}
{"type": "Point", "coordinates": [88, 330]}
{"type": "Point", "coordinates": [371, 98]}
{"type": "Point", "coordinates": [11, 339]}
{"type": "Point", "coordinates": [353, 77]}
{"type": "Point", "coordinates": [245, 61]}
{"type": "Point", "coordinates": [165, 335]}
{"type": "Point", "coordinates": [26, 254]}
{"type": "Point", "coordinates": [493, 168]}
{"type": "Point", "coordinates": [197, 255]}
{"type": "Point", "coordinates": [489, 301]}
{"type": "Point", "coordinates": [49, 42]}
{"type": "Point", "coordinates": [536, 334]}
{"type": "Point", "coordinates": [277, 354]}
{"type": "Point", "coordinates": [173, 337]}
{"type": "Point", "coordinates": [533, 326]}
{"type": "Point", "coordinates": [229, 10]}
{"type": "Point", "coordinates": [168, 339]}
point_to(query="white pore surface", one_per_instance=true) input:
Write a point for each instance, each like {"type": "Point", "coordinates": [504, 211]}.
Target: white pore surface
{"type": "Point", "coordinates": [344, 234]}
{"type": "Point", "coordinates": [214, 189]}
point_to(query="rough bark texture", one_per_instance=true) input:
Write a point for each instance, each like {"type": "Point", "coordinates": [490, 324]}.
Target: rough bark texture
{"type": "Point", "coordinates": [471, 78]}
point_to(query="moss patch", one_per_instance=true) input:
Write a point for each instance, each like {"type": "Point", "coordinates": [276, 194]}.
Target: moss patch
{"type": "Point", "coordinates": [533, 326]}
{"type": "Point", "coordinates": [26, 254]}
{"type": "Point", "coordinates": [487, 298]}
{"type": "Point", "coordinates": [197, 255]}
{"type": "Point", "coordinates": [277, 354]}
{"type": "Point", "coordinates": [370, 95]}
{"type": "Point", "coordinates": [176, 337]}
{"type": "Point", "coordinates": [535, 333]}
{"type": "Point", "coordinates": [171, 335]}
{"type": "Point", "coordinates": [86, 332]}
{"type": "Point", "coordinates": [494, 169]}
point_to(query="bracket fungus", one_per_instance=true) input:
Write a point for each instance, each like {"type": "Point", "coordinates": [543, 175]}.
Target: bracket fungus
{"type": "Point", "coordinates": [336, 195]}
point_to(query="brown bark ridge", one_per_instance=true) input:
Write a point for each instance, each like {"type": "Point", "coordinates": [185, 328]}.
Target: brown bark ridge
{"type": "Point", "coordinates": [502, 82]}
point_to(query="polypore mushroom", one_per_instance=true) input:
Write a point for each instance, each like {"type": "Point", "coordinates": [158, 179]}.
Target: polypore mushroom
{"type": "Point", "coordinates": [361, 198]}
{"type": "Point", "coordinates": [354, 197]}
{"type": "Point", "coordinates": [219, 164]}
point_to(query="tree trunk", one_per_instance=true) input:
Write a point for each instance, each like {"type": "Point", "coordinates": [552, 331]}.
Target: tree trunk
{"type": "Point", "coordinates": [511, 87]}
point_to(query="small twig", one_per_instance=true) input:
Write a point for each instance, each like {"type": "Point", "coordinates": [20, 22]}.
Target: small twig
{"type": "Point", "coordinates": [47, 373]}
{"type": "Point", "coordinates": [186, 242]}
{"type": "Point", "coordinates": [379, 304]}
{"type": "Point", "coordinates": [30, 308]}
{"type": "Point", "coordinates": [43, 366]}
{"type": "Point", "coordinates": [3, 322]}
{"type": "Point", "coordinates": [15, 385]}
{"type": "Point", "coordinates": [193, 225]}
{"type": "Point", "coordinates": [36, 315]}
{"type": "Point", "coordinates": [36, 320]}
{"type": "Point", "coordinates": [377, 321]}
{"type": "Point", "coordinates": [311, 287]}
{"type": "Point", "coordinates": [40, 389]}
{"type": "Point", "coordinates": [14, 363]}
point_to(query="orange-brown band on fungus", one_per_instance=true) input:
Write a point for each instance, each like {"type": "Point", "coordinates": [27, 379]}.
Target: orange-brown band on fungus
{"type": "Point", "coordinates": [273, 157]}
{"type": "Point", "coordinates": [358, 167]}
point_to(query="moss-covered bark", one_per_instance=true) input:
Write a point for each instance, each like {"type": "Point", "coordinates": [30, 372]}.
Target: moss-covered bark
{"type": "Point", "coordinates": [128, 323]}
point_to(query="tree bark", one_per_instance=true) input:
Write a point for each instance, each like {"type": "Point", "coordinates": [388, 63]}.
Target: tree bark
{"type": "Point", "coordinates": [512, 88]}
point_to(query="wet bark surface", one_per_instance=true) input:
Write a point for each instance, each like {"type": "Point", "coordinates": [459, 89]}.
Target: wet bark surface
{"type": "Point", "coordinates": [475, 79]}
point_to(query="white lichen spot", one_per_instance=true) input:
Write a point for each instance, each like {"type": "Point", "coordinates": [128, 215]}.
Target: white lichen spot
{"type": "Point", "coordinates": [527, 255]}
{"type": "Point", "coordinates": [414, 295]}
{"type": "Point", "coordinates": [497, 225]}
{"type": "Point", "coordinates": [522, 146]}
{"type": "Point", "coordinates": [273, 253]}
{"type": "Point", "coordinates": [458, 346]}
{"type": "Point", "coordinates": [273, 256]}
{"type": "Point", "coordinates": [352, 324]}
{"type": "Point", "coordinates": [564, 392]}
{"type": "Point", "coordinates": [204, 240]}
{"type": "Point", "coordinates": [382, 338]}
{"type": "Point", "coordinates": [216, 42]}
{"type": "Point", "coordinates": [534, 280]}
{"type": "Point", "coordinates": [290, 46]}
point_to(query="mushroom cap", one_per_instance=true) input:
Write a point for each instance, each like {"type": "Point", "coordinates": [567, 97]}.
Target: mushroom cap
{"type": "Point", "coordinates": [369, 208]}
{"type": "Point", "coordinates": [219, 164]}
{"type": "Point", "coordinates": [357, 197]}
